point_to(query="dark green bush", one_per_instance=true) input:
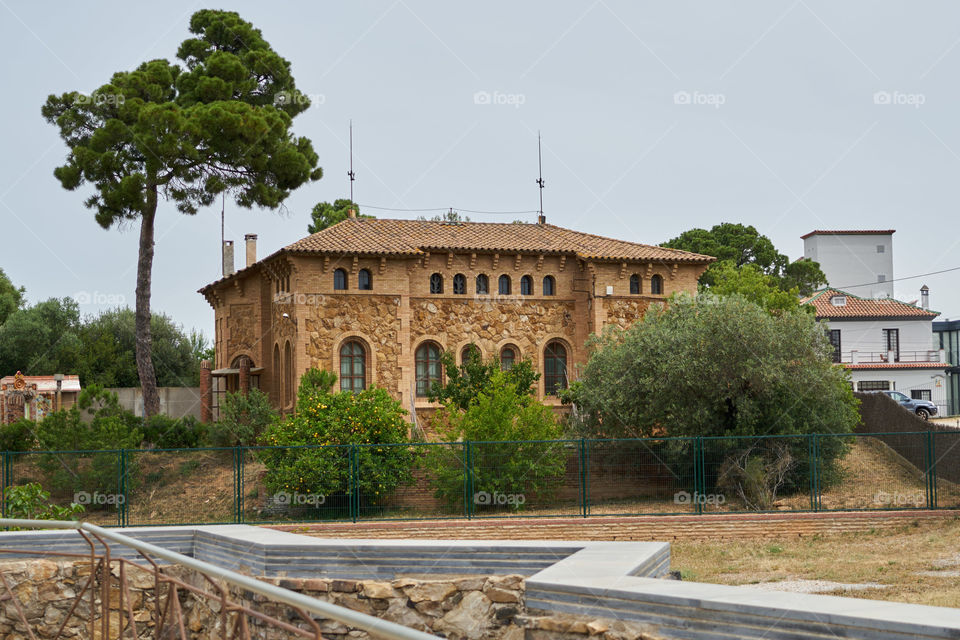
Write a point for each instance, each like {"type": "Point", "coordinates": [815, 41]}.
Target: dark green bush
{"type": "Point", "coordinates": [243, 418]}
{"type": "Point", "coordinates": [164, 432]}
{"type": "Point", "coordinates": [17, 436]}
{"type": "Point", "coordinates": [106, 428]}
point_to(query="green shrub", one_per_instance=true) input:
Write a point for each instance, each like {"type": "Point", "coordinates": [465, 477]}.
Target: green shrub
{"type": "Point", "coordinates": [164, 432]}
{"type": "Point", "coordinates": [370, 417]}
{"type": "Point", "coordinates": [107, 428]}
{"type": "Point", "coordinates": [17, 436]}
{"type": "Point", "coordinates": [507, 429]}
{"type": "Point", "coordinates": [31, 502]}
{"type": "Point", "coordinates": [243, 418]}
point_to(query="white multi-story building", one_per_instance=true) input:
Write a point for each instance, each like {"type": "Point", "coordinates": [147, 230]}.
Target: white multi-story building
{"type": "Point", "coordinates": [859, 262]}
{"type": "Point", "coordinates": [884, 343]}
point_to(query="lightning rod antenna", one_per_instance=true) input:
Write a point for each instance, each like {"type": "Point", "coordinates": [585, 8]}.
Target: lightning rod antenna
{"type": "Point", "coordinates": [350, 173]}
{"type": "Point", "coordinates": [541, 219]}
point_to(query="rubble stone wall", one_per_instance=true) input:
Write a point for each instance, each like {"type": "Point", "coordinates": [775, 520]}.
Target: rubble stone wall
{"type": "Point", "coordinates": [467, 608]}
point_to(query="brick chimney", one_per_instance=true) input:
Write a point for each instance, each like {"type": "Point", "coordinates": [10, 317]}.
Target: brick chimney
{"type": "Point", "coordinates": [251, 240]}
{"type": "Point", "coordinates": [206, 392]}
{"type": "Point", "coordinates": [228, 267]}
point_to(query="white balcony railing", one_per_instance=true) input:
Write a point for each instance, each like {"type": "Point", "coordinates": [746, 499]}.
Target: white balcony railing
{"type": "Point", "coordinates": [935, 356]}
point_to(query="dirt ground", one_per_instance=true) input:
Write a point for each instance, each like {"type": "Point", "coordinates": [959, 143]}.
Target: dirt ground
{"type": "Point", "coordinates": [919, 563]}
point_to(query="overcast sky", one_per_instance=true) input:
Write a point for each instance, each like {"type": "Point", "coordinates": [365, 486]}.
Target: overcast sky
{"type": "Point", "coordinates": [656, 118]}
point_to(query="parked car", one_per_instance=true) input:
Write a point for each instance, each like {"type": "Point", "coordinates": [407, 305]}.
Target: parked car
{"type": "Point", "coordinates": [923, 408]}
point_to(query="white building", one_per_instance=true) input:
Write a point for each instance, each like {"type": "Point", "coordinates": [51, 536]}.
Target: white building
{"type": "Point", "coordinates": [859, 262]}
{"type": "Point", "coordinates": [884, 343]}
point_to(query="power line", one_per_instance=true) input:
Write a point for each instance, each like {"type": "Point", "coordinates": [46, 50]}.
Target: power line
{"type": "Point", "coordinates": [922, 275]}
{"type": "Point", "coordinates": [503, 213]}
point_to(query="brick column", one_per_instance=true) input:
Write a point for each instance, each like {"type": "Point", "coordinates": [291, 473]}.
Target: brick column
{"type": "Point", "coordinates": [206, 392]}
{"type": "Point", "coordinates": [245, 375]}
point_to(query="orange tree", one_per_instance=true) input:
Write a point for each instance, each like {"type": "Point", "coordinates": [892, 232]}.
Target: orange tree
{"type": "Point", "coordinates": [319, 434]}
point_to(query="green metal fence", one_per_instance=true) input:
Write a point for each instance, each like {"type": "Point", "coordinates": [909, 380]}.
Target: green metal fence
{"type": "Point", "coordinates": [555, 478]}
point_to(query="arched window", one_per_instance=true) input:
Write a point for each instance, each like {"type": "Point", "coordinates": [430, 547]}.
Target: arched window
{"type": "Point", "coordinates": [554, 368]}
{"type": "Point", "coordinates": [353, 367]}
{"type": "Point", "coordinates": [276, 374]}
{"type": "Point", "coordinates": [635, 284]}
{"type": "Point", "coordinates": [483, 285]}
{"type": "Point", "coordinates": [364, 280]}
{"type": "Point", "coordinates": [287, 375]}
{"type": "Point", "coordinates": [459, 284]}
{"type": "Point", "coordinates": [339, 279]}
{"type": "Point", "coordinates": [469, 352]}
{"type": "Point", "coordinates": [436, 283]}
{"type": "Point", "coordinates": [508, 357]}
{"type": "Point", "coordinates": [549, 286]}
{"type": "Point", "coordinates": [429, 367]}
{"type": "Point", "coordinates": [526, 286]}
{"type": "Point", "coordinates": [656, 284]}
{"type": "Point", "coordinates": [503, 285]}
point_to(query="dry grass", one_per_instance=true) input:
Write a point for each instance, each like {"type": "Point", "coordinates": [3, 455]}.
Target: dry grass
{"type": "Point", "coordinates": [897, 559]}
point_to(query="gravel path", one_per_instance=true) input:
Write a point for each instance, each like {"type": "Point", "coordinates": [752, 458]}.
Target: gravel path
{"type": "Point", "coordinates": [813, 586]}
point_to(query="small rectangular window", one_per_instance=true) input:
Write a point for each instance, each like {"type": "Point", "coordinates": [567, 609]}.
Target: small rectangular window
{"type": "Point", "coordinates": [891, 340]}
{"type": "Point", "coordinates": [881, 277]}
{"type": "Point", "coordinates": [834, 336]}
{"type": "Point", "coordinates": [873, 385]}
{"type": "Point", "coordinates": [881, 248]}
{"type": "Point", "coordinates": [920, 394]}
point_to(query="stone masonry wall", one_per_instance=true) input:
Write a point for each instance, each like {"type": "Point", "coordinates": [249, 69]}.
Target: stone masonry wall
{"type": "Point", "coordinates": [373, 319]}
{"type": "Point", "coordinates": [467, 608]}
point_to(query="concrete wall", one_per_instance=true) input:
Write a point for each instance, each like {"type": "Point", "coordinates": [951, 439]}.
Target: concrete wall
{"type": "Point", "coordinates": [848, 259]}
{"type": "Point", "coordinates": [175, 402]}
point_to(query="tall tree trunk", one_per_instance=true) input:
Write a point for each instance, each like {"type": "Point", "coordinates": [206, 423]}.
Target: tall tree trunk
{"type": "Point", "coordinates": [148, 378]}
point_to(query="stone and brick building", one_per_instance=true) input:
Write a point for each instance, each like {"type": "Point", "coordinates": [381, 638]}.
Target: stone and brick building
{"type": "Point", "coordinates": [33, 397]}
{"type": "Point", "coordinates": [377, 301]}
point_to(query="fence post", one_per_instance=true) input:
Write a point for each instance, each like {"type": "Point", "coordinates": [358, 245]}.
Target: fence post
{"type": "Point", "coordinates": [355, 482]}
{"type": "Point", "coordinates": [811, 463]}
{"type": "Point", "coordinates": [237, 485]}
{"type": "Point", "coordinates": [468, 478]}
{"type": "Point", "coordinates": [698, 472]}
{"type": "Point", "coordinates": [122, 488]}
{"type": "Point", "coordinates": [584, 477]}
{"type": "Point", "coordinates": [817, 505]}
{"type": "Point", "coordinates": [931, 470]}
{"type": "Point", "coordinates": [4, 483]}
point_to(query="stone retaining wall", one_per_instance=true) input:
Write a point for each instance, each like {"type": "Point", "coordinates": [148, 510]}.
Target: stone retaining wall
{"type": "Point", "coordinates": [455, 607]}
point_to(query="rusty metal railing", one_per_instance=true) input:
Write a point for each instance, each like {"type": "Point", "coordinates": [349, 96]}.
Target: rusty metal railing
{"type": "Point", "coordinates": [167, 615]}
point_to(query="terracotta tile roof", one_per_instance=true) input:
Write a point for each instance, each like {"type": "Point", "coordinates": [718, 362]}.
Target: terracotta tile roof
{"type": "Point", "coordinates": [848, 232]}
{"type": "Point", "coordinates": [415, 237]}
{"type": "Point", "coordinates": [71, 383]}
{"type": "Point", "coordinates": [897, 365]}
{"type": "Point", "coordinates": [857, 307]}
